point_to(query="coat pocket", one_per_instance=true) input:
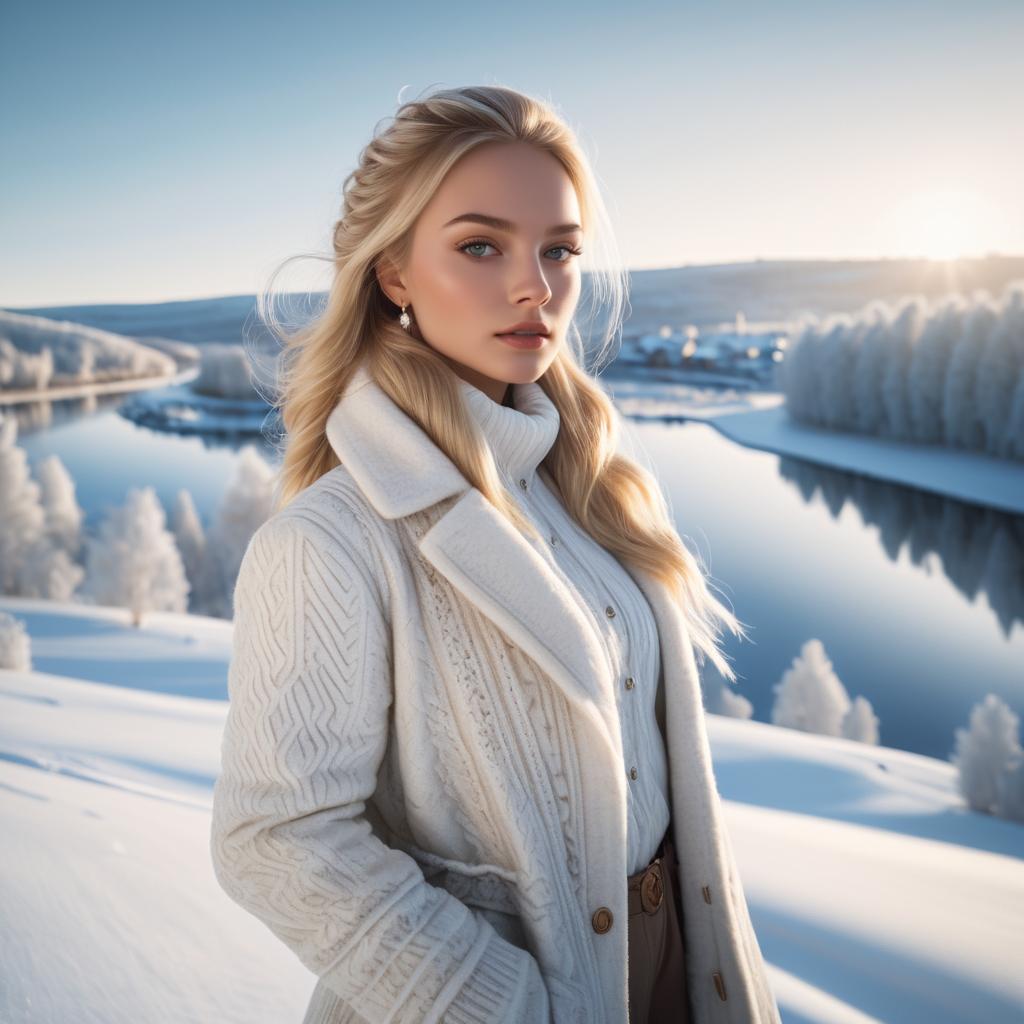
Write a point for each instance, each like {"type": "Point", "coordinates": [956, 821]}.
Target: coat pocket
{"type": "Point", "coordinates": [486, 886]}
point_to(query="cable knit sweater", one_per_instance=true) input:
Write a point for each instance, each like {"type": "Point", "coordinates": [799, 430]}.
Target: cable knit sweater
{"type": "Point", "coordinates": [425, 788]}
{"type": "Point", "coordinates": [519, 437]}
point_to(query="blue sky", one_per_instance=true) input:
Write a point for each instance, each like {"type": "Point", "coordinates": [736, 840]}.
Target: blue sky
{"type": "Point", "coordinates": [175, 151]}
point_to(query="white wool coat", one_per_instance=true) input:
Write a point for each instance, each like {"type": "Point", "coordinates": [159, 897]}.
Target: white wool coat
{"type": "Point", "coordinates": [377, 807]}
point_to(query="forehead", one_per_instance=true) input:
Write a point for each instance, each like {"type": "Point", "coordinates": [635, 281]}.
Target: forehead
{"type": "Point", "coordinates": [516, 181]}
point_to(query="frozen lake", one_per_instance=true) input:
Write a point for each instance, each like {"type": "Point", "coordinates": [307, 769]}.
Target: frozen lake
{"type": "Point", "coordinates": [912, 594]}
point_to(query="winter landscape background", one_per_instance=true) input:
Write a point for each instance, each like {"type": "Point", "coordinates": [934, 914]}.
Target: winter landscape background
{"type": "Point", "coordinates": [822, 361]}
{"type": "Point", "coordinates": [854, 480]}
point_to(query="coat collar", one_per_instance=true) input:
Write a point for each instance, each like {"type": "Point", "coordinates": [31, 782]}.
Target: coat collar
{"type": "Point", "coordinates": [392, 459]}
{"type": "Point", "coordinates": [401, 471]}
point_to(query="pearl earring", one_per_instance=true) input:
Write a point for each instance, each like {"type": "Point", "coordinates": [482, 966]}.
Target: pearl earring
{"type": "Point", "coordinates": [405, 319]}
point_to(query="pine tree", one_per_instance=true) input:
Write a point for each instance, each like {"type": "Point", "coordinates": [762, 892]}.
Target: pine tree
{"type": "Point", "coordinates": [860, 722]}
{"type": "Point", "coordinates": [987, 749]}
{"type": "Point", "coordinates": [31, 565]}
{"type": "Point", "coordinates": [810, 696]}
{"type": "Point", "coordinates": [134, 562]}
{"type": "Point", "coordinates": [62, 512]}
{"type": "Point", "coordinates": [15, 647]}
{"type": "Point", "coordinates": [245, 505]}
{"type": "Point", "coordinates": [191, 541]}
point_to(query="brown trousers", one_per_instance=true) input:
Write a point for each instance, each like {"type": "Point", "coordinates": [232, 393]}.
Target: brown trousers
{"type": "Point", "coordinates": [657, 975]}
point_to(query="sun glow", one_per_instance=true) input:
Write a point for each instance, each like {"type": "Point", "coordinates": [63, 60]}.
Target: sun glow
{"type": "Point", "coordinates": [944, 223]}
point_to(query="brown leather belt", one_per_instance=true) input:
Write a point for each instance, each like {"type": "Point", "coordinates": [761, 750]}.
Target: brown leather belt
{"type": "Point", "coordinates": [646, 889]}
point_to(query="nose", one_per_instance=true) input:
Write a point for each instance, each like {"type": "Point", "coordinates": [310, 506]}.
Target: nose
{"type": "Point", "coordinates": [530, 285]}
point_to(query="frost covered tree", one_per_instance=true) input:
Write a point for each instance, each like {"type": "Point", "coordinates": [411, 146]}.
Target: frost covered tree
{"type": "Point", "coordinates": [62, 512]}
{"type": "Point", "coordinates": [860, 722]}
{"type": "Point", "coordinates": [1015, 423]}
{"type": "Point", "coordinates": [986, 755]}
{"type": "Point", "coordinates": [224, 371]}
{"type": "Point", "coordinates": [21, 511]}
{"type": "Point", "coordinates": [24, 370]}
{"type": "Point", "coordinates": [48, 572]}
{"type": "Point", "coordinates": [799, 372]}
{"type": "Point", "coordinates": [903, 337]}
{"type": "Point", "coordinates": [134, 562]}
{"type": "Point", "coordinates": [31, 565]}
{"type": "Point", "coordinates": [866, 382]}
{"type": "Point", "coordinates": [191, 541]}
{"type": "Point", "coordinates": [961, 420]}
{"type": "Point", "coordinates": [15, 646]}
{"type": "Point", "coordinates": [733, 705]}
{"type": "Point", "coordinates": [720, 699]}
{"type": "Point", "coordinates": [245, 505]}
{"type": "Point", "coordinates": [999, 371]}
{"type": "Point", "coordinates": [949, 374]}
{"type": "Point", "coordinates": [1010, 791]}
{"type": "Point", "coordinates": [929, 366]}
{"type": "Point", "coordinates": [811, 697]}
{"type": "Point", "coordinates": [836, 362]}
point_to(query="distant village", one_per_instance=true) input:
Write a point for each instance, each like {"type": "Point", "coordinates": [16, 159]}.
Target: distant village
{"type": "Point", "coordinates": [736, 352]}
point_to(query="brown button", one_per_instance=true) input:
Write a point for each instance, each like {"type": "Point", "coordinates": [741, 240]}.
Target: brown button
{"type": "Point", "coordinates": [632, 773]}
{"type": "Point", "coordinates": [652, 889]}
{"type": "Point", "coordinates": [707, 893]}
{"type": "Point", "coordinates": [719, 984]}
{"type": "Point", "coordinates": [630, 683]}
{"type": "Point", "coordinates": [602, 920]}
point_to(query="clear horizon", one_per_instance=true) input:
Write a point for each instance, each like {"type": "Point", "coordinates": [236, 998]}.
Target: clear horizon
{"type": "Point", "coordinates": [168, 156]}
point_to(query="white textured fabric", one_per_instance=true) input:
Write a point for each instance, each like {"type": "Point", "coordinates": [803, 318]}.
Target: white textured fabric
{"type": "Point", "coordinates": [422, 790]}
{"type": "Point", "coordinates": [519, 437]}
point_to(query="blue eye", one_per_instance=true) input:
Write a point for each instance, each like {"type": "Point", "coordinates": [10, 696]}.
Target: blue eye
{"type": "Point", "coordinates": [470, 245]}
{"type": "Point", "coordinates": [568, 248]}
{"type": "Point", "coordinates": [474, 242]}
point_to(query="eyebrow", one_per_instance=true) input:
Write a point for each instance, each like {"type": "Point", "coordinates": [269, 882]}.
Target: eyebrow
{"type": "Point", "coordinates": [500, 224]}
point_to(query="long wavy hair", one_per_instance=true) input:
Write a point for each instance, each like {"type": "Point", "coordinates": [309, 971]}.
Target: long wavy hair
{"type": "Point", "coordinates": [614, 499]}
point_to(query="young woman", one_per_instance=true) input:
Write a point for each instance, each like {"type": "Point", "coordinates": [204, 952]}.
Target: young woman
{"type": "Point", "coordinates": [465, 770]}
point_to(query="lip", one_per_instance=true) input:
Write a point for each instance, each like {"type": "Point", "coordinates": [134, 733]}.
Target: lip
{"type": "Point", "coordinates": [535, 340]}
{"type": "Point", "coordinates": [536, 326]}
{"type": "Point", "coordinates": [523, 340]}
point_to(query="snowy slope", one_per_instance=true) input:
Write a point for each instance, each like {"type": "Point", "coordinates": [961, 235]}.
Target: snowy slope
{"type": "Point", "coordinates": [875, 895]}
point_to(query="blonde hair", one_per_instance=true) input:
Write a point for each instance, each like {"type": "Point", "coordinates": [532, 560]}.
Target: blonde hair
{"type": "Point", "coordinates": [614, 499]}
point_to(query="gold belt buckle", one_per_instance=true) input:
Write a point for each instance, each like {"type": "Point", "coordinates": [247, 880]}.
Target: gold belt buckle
{"type": "Point", "coordinates": [652, 889]}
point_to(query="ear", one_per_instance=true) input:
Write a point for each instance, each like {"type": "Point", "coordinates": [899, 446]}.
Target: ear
{"type": "Point", "coordinates": [390, 281]}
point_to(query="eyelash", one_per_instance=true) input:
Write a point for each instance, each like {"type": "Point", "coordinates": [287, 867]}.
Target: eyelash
{"type": "Point", "coordinates": [483, 241]}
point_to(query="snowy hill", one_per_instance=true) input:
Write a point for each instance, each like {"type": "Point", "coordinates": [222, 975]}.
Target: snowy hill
{"type": "Point", "coordinates": [39, 353]}
{"type": "Point", "coordinates": [875, 895]}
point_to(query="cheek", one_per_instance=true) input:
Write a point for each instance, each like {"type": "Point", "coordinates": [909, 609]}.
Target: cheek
{"type": "Point", "coordinates": [567, 289]}
{"type": "Point", "coordinates": [454, 285]}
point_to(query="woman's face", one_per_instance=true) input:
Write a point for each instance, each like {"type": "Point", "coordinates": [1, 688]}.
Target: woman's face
{"type": "Point", "coordinates": [466, 281]}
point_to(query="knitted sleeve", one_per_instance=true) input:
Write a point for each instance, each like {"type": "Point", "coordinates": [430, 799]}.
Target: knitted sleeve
{"type": "Point", "coordinates": [310, 689]}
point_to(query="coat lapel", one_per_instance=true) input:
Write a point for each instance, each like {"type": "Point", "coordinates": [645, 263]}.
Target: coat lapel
{"type": "Point", "coordinates": [401, 471]}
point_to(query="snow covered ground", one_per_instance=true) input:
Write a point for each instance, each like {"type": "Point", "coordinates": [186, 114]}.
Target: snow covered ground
{"type": "Point", "coordinates": [875, 895]}
{"type": "Point", "coordinates": [759, 420]}
{"type": "Point", "coordinates": [970, 476]}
